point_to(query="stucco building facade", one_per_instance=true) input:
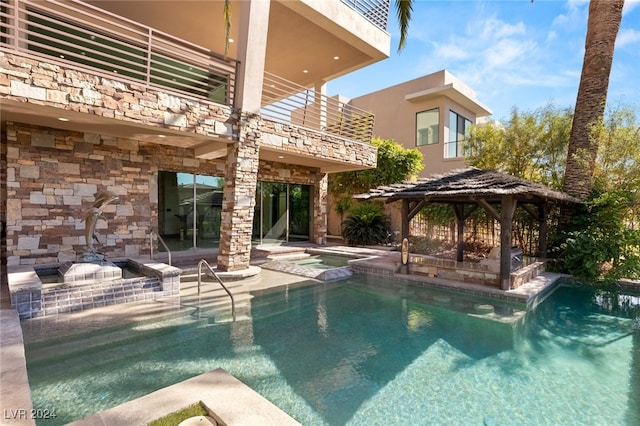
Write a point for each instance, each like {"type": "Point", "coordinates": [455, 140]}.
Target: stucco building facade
{"type": "Point", "coordinates": [432, 113]}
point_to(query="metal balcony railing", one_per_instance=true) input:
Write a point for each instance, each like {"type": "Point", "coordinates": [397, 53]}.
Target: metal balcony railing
{"type": "Point", "coordinates": [376, 11]}
{"type": "Point", "coordinates": [80, 35]}
{"type": "Point", "coordinates": [285, 101]}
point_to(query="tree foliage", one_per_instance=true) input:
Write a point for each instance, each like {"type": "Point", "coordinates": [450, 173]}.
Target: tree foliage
{"type": "Point", "coordinates": [618, 160]}
{"type": "Point", "coordinates": [532, 145]}
{"type": "Point", "coordinates": [395, 164]}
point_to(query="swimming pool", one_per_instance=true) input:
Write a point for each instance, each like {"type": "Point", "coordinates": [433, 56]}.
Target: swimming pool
{"type": "Point", "coordinates": [357, 352]}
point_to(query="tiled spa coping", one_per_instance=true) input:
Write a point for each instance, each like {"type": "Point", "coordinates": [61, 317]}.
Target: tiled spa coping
{"type": "Point", "coordinates": [31, 299]}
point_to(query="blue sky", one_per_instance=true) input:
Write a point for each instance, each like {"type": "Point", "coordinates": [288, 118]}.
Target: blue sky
{"type": "Point", "coordinates": [513, 53]}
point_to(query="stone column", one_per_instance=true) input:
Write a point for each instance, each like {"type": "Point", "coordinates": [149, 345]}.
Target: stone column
{"type": "Point", "coordinates": [320, 190]}
{"type": "Point", "coordinates": [239, 197]}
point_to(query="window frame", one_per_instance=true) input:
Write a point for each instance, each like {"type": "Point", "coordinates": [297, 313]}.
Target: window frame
{"type": "Point", "coordinates": [457, 141]}
{"type": "Point", "coordinates": [435, 139]}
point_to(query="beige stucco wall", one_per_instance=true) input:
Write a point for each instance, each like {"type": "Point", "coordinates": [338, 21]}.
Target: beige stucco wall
{"type": "Point", "coordinates": [395, 116]}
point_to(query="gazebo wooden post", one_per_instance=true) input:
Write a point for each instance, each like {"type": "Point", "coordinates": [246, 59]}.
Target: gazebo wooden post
{"type": "Point", "coordinates": [459, 210]}
{"type": "Point", "coordinates": [506, 224]}
{"type": "Point", "coordinates": [404, 227]}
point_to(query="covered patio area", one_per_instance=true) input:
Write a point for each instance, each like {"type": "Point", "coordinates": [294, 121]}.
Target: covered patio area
{"type": "Point", "coordinates": [465, 190]}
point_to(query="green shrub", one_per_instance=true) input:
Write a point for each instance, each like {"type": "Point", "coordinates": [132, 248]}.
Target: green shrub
{"type": "Point", "coordinates": [598, 246]}
{"type": "Point", "coordinates": [366, 225]}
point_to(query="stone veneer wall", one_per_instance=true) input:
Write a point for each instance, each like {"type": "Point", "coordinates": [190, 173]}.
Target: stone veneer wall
{"type": "Point", "coordinates": [25, 79]}
{"type": "Point", "coordinates": [52, 176]}
{"type": "Point", "coordinates": [299, 140]}
{"type": "Point", "coordinates": [239, 197]}
{"type": "Point", "coordinates": [5, 298]}
{"type": "Point", "coordinates": [239, 194]}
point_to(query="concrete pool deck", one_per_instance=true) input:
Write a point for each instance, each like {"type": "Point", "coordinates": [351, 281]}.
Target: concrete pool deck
{"type": "Point", "coordinates": [15, 395]}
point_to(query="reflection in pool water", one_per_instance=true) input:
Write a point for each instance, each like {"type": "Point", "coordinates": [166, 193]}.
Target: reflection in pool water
{"type": "Point", "coordinates": [357, 352]}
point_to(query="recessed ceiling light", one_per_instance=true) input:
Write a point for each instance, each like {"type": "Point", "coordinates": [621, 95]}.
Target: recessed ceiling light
{"type": "Point", "coordinates": [63, 119]}
{"type": "Point", "coordinates": [336, 57]}
{"type": "Point", "coordinates": [281, 156]}
{"type": "Point", "coordinates": [305, 71]}
{"type": "Point", "coordinates": [162, 136]}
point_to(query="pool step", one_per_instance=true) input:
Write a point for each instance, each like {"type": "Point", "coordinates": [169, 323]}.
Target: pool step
{"type": "Point", "coordinates": [156, 331]}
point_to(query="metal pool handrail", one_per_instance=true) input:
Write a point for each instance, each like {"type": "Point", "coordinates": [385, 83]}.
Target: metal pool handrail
{"type": "Point", "coordinates": [151, 234]}
{"type": "Point", "coordinates": [204, 262]}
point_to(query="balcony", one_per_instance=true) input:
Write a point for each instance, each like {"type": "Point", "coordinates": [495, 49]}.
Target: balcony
{"type": "Point", "coordinates": [288, 102]}
{"type": "Point", "coordinates": [84, 37]}
{"type": "Point", "coordinates": [105, 47]}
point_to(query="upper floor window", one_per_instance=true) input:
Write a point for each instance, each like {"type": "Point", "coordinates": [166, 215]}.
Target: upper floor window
{"type": "Point", "coordinates": [427, 123]}
{"type": "Point", "coordinates": [459, 128]}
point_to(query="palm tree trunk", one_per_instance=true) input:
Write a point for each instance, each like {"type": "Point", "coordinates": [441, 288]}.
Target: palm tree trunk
{"type": "Point", "coordinates": [602, 30]}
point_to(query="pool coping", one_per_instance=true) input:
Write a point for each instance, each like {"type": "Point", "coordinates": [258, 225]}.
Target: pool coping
{"type": "Point", "coordinates": [228, 400]}
{"type": "Point", "coordinates": [15, 393]}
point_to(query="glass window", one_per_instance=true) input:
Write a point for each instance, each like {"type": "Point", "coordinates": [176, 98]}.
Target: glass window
{"type": "Point", "coordinates": [189, 210]}
{"type": "Point", "coordinates": [427, 123]}
{"type": "Point", "coordinates": [459, 128]}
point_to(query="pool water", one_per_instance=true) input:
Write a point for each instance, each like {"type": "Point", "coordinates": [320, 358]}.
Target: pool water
{"type": "Point", "coordinates": [360, 353]}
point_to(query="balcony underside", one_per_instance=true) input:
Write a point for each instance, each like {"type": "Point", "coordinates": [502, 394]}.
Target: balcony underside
{"type": "Point", "coordinates": [301, 34]}
{"type": "Point", "coordinates": [47, 116]}
{"type": "Point", "coordinates": [204, 147]}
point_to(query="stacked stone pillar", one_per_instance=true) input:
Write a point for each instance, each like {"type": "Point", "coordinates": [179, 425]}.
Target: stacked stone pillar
{"type": "Point", "coordinates": [320, 194]}
{"type": "Point", "coordinates": [239, 197]}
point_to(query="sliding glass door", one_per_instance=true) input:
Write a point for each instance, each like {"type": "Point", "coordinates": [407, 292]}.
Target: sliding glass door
{"type": "Point", "coordinates": [282, 213]}
{"type": "Point", "coordinates": [189, 210]}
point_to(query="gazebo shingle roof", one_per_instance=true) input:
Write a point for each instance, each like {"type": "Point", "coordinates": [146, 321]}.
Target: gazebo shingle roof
{"type": "Point", "coordinates": [468, 184]}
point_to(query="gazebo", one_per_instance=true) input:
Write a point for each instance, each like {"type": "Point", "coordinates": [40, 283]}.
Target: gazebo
{"type": "Point", "coordinates": [467, 189]}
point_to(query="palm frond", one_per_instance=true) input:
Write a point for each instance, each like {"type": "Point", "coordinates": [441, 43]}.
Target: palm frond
{"type": "Point", "coordinates": [403, 11]}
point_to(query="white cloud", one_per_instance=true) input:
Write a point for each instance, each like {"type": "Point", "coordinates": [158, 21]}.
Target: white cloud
{"type": "Point", "coordinates": [451, 52]}
{"type": "Point", "coordinates": [627, 36]}
{"type": "Point", "coordinates": [508, 52]}
{"type": "Point", "coordinates": [495, 29]}
{"type": "Point", "coordinates": [629, 5]}
{"type": "Point", "coordinates": [576, 15]}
